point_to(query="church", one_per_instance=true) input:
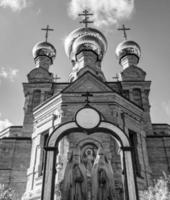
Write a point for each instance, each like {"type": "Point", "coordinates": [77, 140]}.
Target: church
{"type": "Point", "coordinates": [88, 138]}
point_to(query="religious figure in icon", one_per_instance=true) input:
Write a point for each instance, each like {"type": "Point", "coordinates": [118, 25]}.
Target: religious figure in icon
{"type": "Point", "coordinates": [74, 184]}
{"type": "Point", "coordinates": [102, 178]}
{"type": "Point", "coordinates": [88, 160]}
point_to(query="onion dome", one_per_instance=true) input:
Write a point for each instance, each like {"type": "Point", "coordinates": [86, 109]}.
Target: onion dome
{"type": "Point", "coordinates": [44, 49]}
{"type": "Point", "coordinates": [85, 39]}
{"type": "Point", "coordinates": [128, 48]}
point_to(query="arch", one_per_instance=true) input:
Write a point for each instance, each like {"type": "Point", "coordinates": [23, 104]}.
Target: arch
{"type": "Point", "coordinates": [106, 127]}
{"type": "Point", "coordinates": [89, 140]}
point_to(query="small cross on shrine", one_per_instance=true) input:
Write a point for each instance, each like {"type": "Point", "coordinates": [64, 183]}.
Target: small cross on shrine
{"type": "Point", "coordinates": [124, 29]}
{"type": "Point", "coordinates": [86, 20]}
{"type": "Point", "coordinates": [47, 29]}
{"type": "Point", "coordinates": [56, 78]}
{"type": "Point", "coordinates": [87, 95]}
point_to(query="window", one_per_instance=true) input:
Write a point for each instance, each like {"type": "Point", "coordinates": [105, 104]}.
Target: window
{"type": "Point", "coordinates": [42, 157]}
{"type": "Point", "coordinates": [135, 155]}
{"type": "Point", "coordinates": [47, 95]}
{"type": "Point", "coordinates": [137, 97]}
{"type": "Point", "coordinates": [36, 98]}
{"type": "Point", "coordinates": [126, 93]}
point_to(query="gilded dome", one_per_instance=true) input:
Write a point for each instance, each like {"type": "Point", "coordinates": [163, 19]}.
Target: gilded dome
{"type": "Point", "coordinates": [85, 39]}
{"type": "Point", "coordinates": [44, 49]}
{"type": "Point", "coordinates": [128, 47]}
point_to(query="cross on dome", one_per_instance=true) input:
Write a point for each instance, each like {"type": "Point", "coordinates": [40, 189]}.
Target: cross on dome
{"type": "Point", "coordinates": [124, 29]}
{"type": "Point", "coordinates": [47, 29]}
{"type": "Point", "coordinates": [86, 20]}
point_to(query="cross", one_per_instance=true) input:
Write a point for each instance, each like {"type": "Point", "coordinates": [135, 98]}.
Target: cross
{"type": "Point", "coordinates": [56, 78]}
{"type": "Point", "coordinates": [87, 95]}
{"type": "Point", "coordinates": [124, 29]}
{"type": "Point", "coordinates": [86, 15]}
{"type": "Point", "coordinates": [116, 77]}
{"type": "Point", "coordinates": [47, 29]}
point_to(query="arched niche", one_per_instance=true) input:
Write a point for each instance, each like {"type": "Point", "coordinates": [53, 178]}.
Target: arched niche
{"type": "Point", "coordinates": [51, 149]}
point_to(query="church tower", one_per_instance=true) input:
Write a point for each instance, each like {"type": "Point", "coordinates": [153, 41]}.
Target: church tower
{"type": "Point", "coordinates": [89, 137]}
{"type": "Point", "coordinates": [85, 48]}
{"type": "Point", "coordinates": [133, 82]}
{"type": "Point", "coordinates": [39, 86]}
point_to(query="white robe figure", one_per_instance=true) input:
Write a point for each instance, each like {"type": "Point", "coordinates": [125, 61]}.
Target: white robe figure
{"type": "Point", "coordinates": [102, 178]}
{"type": "Point", "coordinates": [74, 185]}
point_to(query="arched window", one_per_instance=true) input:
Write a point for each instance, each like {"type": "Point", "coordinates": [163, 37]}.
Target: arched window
{"type": "Point", "coordinates": [44, 138]}
{"type": "Point", "coordinates": [137, 97]}
{"type": "Point", "coordinates": [135, 155]}
{"type": "Point", "coordinates": [36, 100]}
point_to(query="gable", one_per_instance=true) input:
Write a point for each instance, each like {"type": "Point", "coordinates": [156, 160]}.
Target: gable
{"type": "Point", "coordinates": [39, 75]}
{"type": "Point", "coordinates": [87, 82]}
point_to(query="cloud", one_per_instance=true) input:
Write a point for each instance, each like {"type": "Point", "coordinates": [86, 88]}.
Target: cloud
{"type": "Point", "coordinates": [15, 5]}
{"type": "Point", "coordinates": [8, 73]}
{"type": "Point", "coordinates": [4, 123]}
{"type": "Point", "coordinates": [13, 73]}
{"type": "Point", "coordinates": [106, 12]}
{"type": "Point", "coordinates": [38, 11]}
{"type": "Point", "coordinates": [166, 107]}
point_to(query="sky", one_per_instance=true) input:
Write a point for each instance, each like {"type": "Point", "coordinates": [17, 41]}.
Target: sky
{"type": "Point", "coordinates": [20, 27]}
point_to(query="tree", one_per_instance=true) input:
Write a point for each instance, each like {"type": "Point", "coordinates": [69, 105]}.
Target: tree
{"type": "Point", "coordinates": [7, 193]}
{"type": "Point", "coordinates": [159, 191]}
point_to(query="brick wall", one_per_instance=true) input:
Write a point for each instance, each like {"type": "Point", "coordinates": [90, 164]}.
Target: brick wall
{"type": "Point", "coordinates": [15, 158]}
{"type": "Point", "coordinates": [159, 154]}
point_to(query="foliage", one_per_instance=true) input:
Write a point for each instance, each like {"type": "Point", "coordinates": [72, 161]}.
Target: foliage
{"type": "Point", "coordinates": [159, 191]}
{"type": "Point", "coordinates": [7, 193]}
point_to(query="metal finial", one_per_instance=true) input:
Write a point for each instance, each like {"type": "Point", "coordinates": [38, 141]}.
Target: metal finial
{"type": "Point", "coordinates": [124, 29]}
{"type": "Point", "coordinates": [86, 20]}
{"type": "Point", "coordinates": [47, 29]}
